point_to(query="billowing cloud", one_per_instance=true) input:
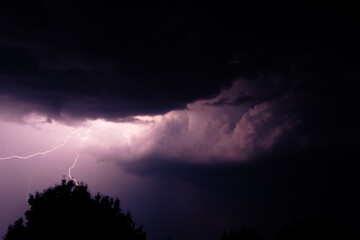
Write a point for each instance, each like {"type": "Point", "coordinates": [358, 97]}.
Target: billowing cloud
{"type": "Point", "coordinates": [150, 90]}
{"type": "Point", "coordinates": [203, 132]}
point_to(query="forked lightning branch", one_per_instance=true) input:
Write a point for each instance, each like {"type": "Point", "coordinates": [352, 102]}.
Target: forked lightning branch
{"type": "Point", "coordinates": [73, 134]}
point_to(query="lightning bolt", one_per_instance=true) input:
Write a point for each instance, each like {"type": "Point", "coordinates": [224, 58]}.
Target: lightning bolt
{"type": "Point", "coordinates": [72, 134]}
{"type": "Point", "coordinates": [83, 139]}
{"type": "Point", "coordinates": [44, 152]}
{"type": "Point", "coordinates": [69, 170]}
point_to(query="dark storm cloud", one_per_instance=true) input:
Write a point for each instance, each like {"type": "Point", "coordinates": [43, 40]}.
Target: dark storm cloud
{"type": "Point", "coordinates": [77, 60]}
{"type": "Point", "coordinates": [283, 143]}
{"type": "Point", "coordinates": [210, 133]}
{"type": "Point", "coordinates": [94, 60]}
{"type": "Point", "coordinates": [267, 173]}
{"type": "Point", "coordinates": [87, 59]}
{"type": "Point", "coordinates": [271, 190]}
{"type": "Point", "coordinates": [241, 99]}
{"type": "Point", "coordinates": [226, 101]}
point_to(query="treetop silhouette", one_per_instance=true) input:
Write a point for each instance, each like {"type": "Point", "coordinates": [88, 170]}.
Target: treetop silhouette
{"type": "Point", "coordinates": [67, 211]}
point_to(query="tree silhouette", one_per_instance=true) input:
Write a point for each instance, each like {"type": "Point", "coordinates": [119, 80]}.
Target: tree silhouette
{"type": "Point", "coordinates": [244, 234]}
{"type": "Point", "coordinates": [67, 211]}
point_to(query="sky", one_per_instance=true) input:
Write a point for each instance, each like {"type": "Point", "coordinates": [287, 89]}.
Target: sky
{"type": "Point", "coordinates": [199, 118]}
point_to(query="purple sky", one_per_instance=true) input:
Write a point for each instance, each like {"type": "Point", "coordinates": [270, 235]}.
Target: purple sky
{"type": "Point", "coordinates": [208, 131]}
{"type": "Point", "coordinates": [129, 158]}
{"type": "Point", "coordinates": [199, 118]}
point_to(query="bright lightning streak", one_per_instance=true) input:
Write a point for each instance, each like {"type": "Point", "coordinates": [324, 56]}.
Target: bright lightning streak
{"type": "Point", "coordinates": [69, 171]}
{"type": "Point", "coordinates": [44, 152]}
{"type": "Point", "coordinates": [70, 135]}
{"type": "Point", "coordinates": [83, 139]}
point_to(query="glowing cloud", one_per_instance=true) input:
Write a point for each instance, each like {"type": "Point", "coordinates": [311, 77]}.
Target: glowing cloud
{"type": "Point", "coordinates": [220, 129]}
{"type": "Point", "coordinates": [234, 126]}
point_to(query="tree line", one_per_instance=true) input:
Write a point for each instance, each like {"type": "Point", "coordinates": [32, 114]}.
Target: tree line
{"type": "Point", "coordinates": [68, 211]}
